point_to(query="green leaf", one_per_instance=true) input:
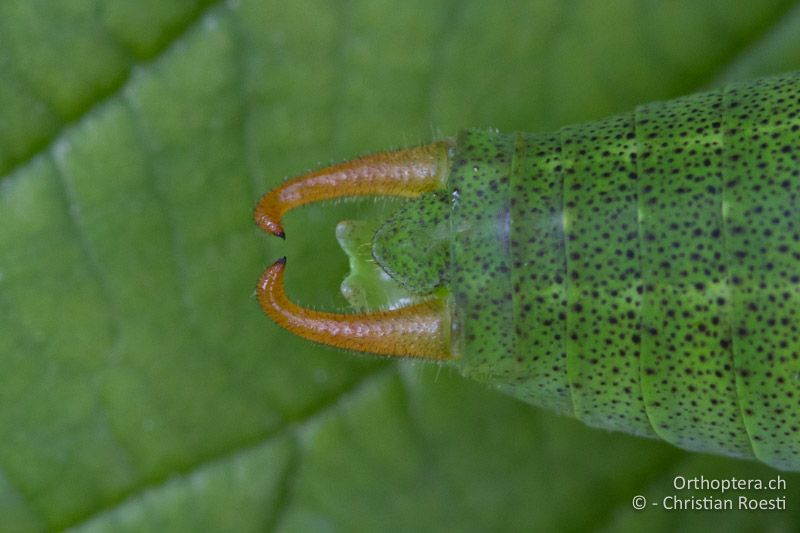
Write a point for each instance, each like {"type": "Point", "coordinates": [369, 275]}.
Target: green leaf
{"type": "Point", "coordinates": [140, 386]}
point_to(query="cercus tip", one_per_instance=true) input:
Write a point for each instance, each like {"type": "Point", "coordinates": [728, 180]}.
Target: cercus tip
{"type": "Point", "coordinates": [268, 222]}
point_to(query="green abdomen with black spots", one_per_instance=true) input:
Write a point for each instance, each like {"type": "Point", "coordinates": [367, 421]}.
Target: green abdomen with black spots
{"type": "Point", "coordinates": [640, 273]}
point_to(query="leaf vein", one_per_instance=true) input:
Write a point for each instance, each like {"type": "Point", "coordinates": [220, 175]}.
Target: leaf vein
{"type": "Point", "coordinates": [286, 488]}
{"type": "Point", "coordinates": [325, 406]}
{"type": "Point", "coordinates": [48, 143]}
{"type": "Point", "coordinates": [178, 261]}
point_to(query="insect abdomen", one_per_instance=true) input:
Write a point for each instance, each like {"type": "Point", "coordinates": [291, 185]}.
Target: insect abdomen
{"type": "Point", "coordinates": [648, 278]}
{"type": "Point", "coordinates": [639, 273]}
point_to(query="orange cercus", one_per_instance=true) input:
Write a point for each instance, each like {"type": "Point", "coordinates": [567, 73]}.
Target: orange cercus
{"type": "Point", "coordinates": [418, 330]}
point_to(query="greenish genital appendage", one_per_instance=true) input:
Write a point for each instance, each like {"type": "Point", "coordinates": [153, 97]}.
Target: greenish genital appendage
{"type": "Point", "coordinates": [400, 260]}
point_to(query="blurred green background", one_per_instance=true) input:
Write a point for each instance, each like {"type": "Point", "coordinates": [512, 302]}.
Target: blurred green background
{"type": "Point", "coordinates": [142, 389]}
